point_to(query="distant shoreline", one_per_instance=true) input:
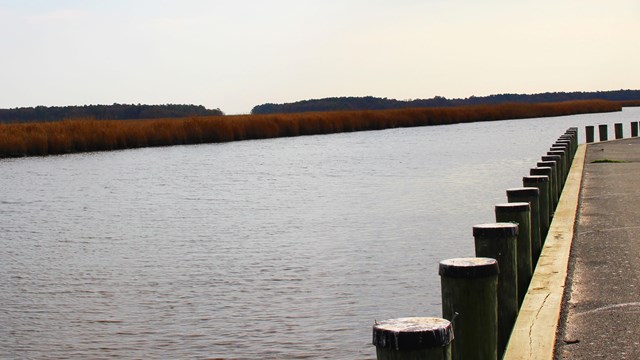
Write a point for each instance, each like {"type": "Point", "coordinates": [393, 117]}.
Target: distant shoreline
{"type": "Point", "coordinates": [85, 135]}
{"type": "Point", "coordinates": [103, 112]}
{"type": "Point", "coordinates": [376, 103]}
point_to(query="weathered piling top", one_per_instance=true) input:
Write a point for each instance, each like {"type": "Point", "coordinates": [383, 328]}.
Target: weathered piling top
{"type": "Point", "coordinates": [412, 333]}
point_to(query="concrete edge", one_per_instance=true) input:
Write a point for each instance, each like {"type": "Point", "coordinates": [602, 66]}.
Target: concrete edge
{"type": "Point", "coordinates": [534, 333]}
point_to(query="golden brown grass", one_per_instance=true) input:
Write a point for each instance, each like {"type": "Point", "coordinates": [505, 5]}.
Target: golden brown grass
{"type": "Point", "coordinates": [630, 103]}
{"type": "Point", "coordinates": [71, 136]}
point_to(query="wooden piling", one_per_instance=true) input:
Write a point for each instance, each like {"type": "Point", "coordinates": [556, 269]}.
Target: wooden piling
{"type": "Point", "coordinates": [555, 185]}
{"type": "Point", "coordinates": [519, 213]}
{"type": "Point", "coordinates": [562, 145]}
{"type": "Point", "coordinates": [542, 183]}
{"type": "Point", "coordinates": [529, 195]}
{"type": "Point", "coordinates": [618, 130]}
{"type": "Point", "coordinates": [557, 159]}
{"type": "Point", "coordinates": [565, 156]}
{"type": "Point", "coordinates": [603, 132]}
{"type": "Point", "coordinates": [470, 302]}
{"type": "Point", "coordinates": [500, 241]}
{"type": "Point", "coordinates": [555, 190]}
{"type": "Point", "coordinates": [589, 130]}
{"type": "Point", "coordinates": [569, 145]}
{"type": "Point", "coordinates": [548, 172]}
{"type": "Point", "coordinates": [572, 134]}
{"type": "Point", "coordinates": [413, 338]}
{"type": "Point", "coordinates": [567, 152]}
{"type": "Point", "coordinates": [564, 164]}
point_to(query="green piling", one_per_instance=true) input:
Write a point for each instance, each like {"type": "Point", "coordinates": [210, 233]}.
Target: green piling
{"type": "Point", "coordinates": [558, 160]}
{"type": "Point", "coordinates": [566, 161]}
{"type": "Point", "coordinates": [618, 130]}
{"type": "Point", "coordinates": [542, 183]}
{"type": "Point", "coordinates": [589, 130]}
{"type": "Point", "coordinates": [529, 195]}
{"type": "Point", "coordinates": [572, 135]}
{"type": "Point", "coordinates": [519, 213]}
{"type": "Point", "coordinates": [603, 132]}
{"type": "Point", "coordinates": [563, 164]}
{"type": "Point", "coordinates": [565, 145]}
{"type": "Point", "coordinates": [548, 172]}
{"type": "Point", "coordinates": [413, 338]}
{"type": "Point", "coordinates": [553, 181]}
{"type": "Point", "coordinates": [568, 143]}
{"type": "Point", "coordinates": [500, 241]}
{"type": "Point", "coordinates": [470, 302]}
{"type": "Point", "coordinates": [555, 189]}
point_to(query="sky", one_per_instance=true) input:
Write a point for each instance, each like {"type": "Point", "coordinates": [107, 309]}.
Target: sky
{"type": "Point", "coordinates": [235, 54]}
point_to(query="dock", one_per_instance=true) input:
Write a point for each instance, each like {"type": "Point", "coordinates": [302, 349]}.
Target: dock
{"type": "Point", "coordinates": [584, 298]}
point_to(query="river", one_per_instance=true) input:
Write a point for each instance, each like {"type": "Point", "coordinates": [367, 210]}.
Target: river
{"type": "Point", "coordinates": [286, 248]}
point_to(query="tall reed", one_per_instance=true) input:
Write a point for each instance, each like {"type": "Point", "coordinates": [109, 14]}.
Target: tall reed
{"type": "Point", "coordinates": [70, 136]}
{"type": "Point", "coordinates": [629, 103]}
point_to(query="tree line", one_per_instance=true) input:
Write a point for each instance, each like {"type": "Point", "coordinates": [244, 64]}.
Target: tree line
{"type": "Point", "coordinates": [376, 103]}
{"type": "Point", "coordinates": [103, 112]}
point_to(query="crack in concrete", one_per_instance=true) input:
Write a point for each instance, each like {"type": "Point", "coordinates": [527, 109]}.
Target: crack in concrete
{"type": "Point", "coordinates": [533, 323]}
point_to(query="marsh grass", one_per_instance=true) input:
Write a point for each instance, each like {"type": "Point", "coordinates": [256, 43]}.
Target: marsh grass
{"type": "Point", "coordinates": [630, 103]}
{"type": "Point", "coordinates": [83, 135]}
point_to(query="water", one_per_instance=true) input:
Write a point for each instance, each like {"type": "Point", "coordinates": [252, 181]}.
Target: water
{"type": "Point", "coordinates": [284, 249]}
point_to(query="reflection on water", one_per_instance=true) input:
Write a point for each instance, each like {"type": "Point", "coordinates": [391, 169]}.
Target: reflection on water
{"type": "Point", "coordinates": [284, 248]}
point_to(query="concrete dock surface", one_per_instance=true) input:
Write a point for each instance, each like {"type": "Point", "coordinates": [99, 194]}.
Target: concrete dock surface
{"type": "Point", "coordinates": [600, 316]}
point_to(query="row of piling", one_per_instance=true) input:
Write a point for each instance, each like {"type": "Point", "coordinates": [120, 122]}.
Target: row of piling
{"type": "Point", "coordinates": [603, 131]}
{"type": "Point", "coordinates": [481, 295]}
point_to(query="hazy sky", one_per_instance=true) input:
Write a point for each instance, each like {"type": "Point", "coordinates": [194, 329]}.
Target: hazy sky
{"type": "Point", "coordinates": [236, 54]}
